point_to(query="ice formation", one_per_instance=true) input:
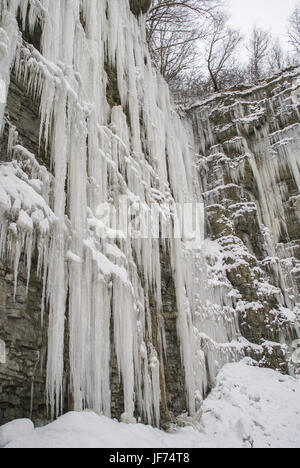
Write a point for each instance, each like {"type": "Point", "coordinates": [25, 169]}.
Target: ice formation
{"type": "Point", "coordinates": [98, 279]}
{"type": "Point", "coordinates": [139, 148]}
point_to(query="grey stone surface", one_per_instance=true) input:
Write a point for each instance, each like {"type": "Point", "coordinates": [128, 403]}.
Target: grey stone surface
{"type": "Point", "coordinates": [251, 116]}
{"type": "Point", "coordinates": [22, 376]}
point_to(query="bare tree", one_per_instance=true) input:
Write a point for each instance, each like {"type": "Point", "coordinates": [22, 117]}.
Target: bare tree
{"type": "Point", "coordinates": [174, 27]}
{"type": "Point", "coordinates": [173, 50]}
{"type": "Point", "coordinates": [180, 12]}
{"type": "Point", "coordinates": [221, 45]}
{"type": "Point", "coordinates": [294, 29]}
{"type": "Point", "coordinates": [278, 58]}
{"type": "Point", "coordinates": [258, 48]}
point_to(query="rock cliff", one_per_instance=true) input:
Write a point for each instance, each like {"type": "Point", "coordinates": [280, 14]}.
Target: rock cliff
{"type": "Point", "coordinates": [101, 315]}
{"type": "Point", "coordinates": [249, 157]}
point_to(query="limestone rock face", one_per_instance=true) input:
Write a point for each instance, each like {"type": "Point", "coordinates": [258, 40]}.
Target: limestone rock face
{"type": "Point", "coordinates": [249, 160]}
{"type": "Point", "coordinates": [140, 6]}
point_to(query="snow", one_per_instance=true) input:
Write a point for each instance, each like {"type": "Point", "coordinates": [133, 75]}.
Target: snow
{"type": "Point", "coordinates": [249, 407]}
{"type": "Point", "coordinates": [259, 406]}
{"type": "Point", "coordinates": [20, 428]}
{"type": "Point", "coordinates": [16, 190]}
{"type": "Point", "coordinates": [248, 89]}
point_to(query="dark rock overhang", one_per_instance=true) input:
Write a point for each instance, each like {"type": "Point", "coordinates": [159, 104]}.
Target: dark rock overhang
{"type": "Point", "coordinates": [140, 6]}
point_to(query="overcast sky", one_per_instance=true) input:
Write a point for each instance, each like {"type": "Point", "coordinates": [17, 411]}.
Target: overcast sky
{"type": "Point", "coordinates": [269, 14]}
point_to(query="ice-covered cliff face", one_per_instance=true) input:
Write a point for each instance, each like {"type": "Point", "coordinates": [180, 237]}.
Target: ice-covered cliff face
{"type": "Point", "coordinates": [100, 197]}
{"type": "Point", "coordinates": [131, 317]}
{"type": "Point", "coordinates": [248, 144]}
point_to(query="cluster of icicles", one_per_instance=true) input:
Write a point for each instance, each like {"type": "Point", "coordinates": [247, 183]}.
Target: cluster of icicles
{"type": "Point", "coordinates": [139, 149]}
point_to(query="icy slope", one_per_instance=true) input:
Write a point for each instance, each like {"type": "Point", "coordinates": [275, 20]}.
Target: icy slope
{"type": "Point", "coordinates": [250, 407]}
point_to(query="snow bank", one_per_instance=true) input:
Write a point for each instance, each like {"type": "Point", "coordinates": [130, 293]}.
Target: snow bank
{"type": "Point", "coordinates": [249, 407]}
{"type": "Point", "coordinates": [18, 429]}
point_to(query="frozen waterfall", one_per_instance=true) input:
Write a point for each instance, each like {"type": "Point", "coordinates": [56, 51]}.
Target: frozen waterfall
{"type": "Point", "coordinates": [106, 149]}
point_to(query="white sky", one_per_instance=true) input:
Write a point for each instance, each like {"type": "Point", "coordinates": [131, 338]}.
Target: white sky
{"type": "Point", "coordinates": [268, 14]}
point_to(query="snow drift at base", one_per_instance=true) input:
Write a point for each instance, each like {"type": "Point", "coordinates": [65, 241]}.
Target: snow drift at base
{"type": "Point", "coordinates": [249, 407]}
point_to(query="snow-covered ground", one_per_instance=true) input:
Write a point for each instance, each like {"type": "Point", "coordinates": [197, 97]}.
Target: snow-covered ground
{"type": "Point", "coordinates": [249, 407]}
